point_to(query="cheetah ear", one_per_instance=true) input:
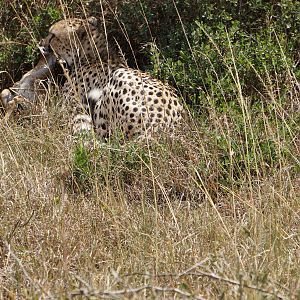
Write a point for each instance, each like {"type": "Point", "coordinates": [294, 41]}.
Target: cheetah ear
{"type": "Point", "coordinates": [92, 21]}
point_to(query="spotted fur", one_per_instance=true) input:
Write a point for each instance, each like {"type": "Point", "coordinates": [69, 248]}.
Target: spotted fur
{"type": "Point", "coordinates": [108, 95]}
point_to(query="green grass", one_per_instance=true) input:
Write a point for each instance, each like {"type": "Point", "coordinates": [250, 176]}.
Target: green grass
{"type": "Point", "coordinates": [209, 213]}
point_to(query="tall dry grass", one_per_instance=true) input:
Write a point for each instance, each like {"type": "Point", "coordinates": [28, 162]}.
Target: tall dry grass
{"type": "Point", "coordinates": [163, 219]}
{"type": "Point", "coordinates": [144, 222]}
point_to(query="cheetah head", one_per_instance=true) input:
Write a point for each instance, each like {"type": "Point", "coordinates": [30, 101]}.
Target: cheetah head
{"type": "Point", "coordinates": [75, 40]}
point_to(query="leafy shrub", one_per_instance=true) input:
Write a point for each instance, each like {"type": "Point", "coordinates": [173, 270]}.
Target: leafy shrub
{"type": "Point", "coordinates": [233, 62]}
{"type": "Point", "coordinates": [22, 24]}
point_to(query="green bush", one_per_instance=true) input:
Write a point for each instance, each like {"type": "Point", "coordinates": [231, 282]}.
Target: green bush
{"type": "Point", "coordinates": [23, 23]}
{"type": "Point", "coordinates": [233, 61]}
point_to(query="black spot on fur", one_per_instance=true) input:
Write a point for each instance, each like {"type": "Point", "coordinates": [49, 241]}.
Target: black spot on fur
{"type": "Point", "coordinates": [91, 103]}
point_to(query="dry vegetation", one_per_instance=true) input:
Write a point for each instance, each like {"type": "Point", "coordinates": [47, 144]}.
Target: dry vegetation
{"type": "Point", "coordinates": [143, 217]}
{"type": "Point", "coordinates": [163, 219]}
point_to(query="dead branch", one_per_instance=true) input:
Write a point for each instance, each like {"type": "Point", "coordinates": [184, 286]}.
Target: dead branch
{"type": "Point", "coordinates": [211, 276]}
{"type": "Point", "coordinates": [113, 294]}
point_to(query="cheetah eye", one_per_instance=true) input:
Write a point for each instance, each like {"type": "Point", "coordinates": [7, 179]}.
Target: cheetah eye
{"type": "Point", "coordinates": [63, 63]}
{"type": "Point", "coordinates": [45, 46]}
{"type": "Point", "coordinates": [93, 21]}
{"type": "Point", "coordinates": [44, 50]}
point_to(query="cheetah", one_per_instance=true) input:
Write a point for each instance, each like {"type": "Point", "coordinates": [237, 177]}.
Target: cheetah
{"type": "Point", "coordinates": [105, 94]}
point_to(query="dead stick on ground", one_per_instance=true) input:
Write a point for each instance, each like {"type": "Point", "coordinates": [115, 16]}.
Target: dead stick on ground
{"type": "Point", "coordinates": [211, 276]}
{"type": "Point", "coordinates": [110, 294]}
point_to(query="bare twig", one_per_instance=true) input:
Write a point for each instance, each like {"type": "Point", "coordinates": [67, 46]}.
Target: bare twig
{"type": "Point", "coordinates": [34, 283]}
{"type": "Point", "coordinates": [193, 267]}
{"type": "Point", "coordinates": [88, 292]}
{"type": "Point", "coordinates": [7, 73]}
{"type": "Point", "coordinates": [114, 294]}
{"type": "Point", "coordinates": [28, 220]}
{"type": "Point", "coordinates": [19, 224]}
{"type": "Point", "coordinates": [211, 276]}
{"type": "Point", "coordinates": [16, 225]}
